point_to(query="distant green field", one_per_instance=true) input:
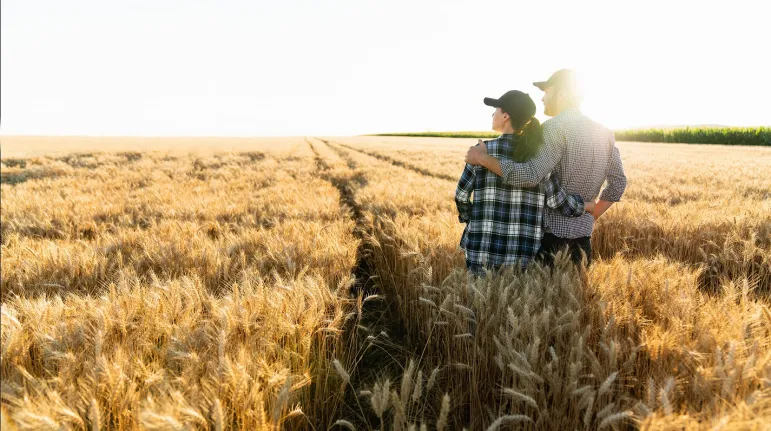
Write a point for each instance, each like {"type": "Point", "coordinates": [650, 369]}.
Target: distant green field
{"type": "Point", "coordinates": [696, 135]}
{"type": "Point", "coordinates": [760, 136]}
{"type": "Point", "coordinates": [466, 134]}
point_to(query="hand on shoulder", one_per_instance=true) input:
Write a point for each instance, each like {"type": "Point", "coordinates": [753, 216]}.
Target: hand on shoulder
{"type": "Point", "coordinates": [476, 153]}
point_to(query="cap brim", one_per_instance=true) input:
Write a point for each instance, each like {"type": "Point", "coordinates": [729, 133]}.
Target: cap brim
{"type": "Point", "coordinates": [541, 85]}
{"type": "Point", "coordinates": [489, 101]}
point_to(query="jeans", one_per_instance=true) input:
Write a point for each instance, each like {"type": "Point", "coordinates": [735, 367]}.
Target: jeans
{"type": "Point", "coordinates": [551, 244]}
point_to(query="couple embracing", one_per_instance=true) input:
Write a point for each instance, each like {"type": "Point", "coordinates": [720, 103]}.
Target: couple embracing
{"type": "Point", "coordinates": [534, 187]}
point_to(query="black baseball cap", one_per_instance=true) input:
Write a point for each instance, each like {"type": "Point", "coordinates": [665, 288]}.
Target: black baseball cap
{"type": "Point", "coordinates": [517, 104]}
{"type": "Point", "coordinates": [563, 78]}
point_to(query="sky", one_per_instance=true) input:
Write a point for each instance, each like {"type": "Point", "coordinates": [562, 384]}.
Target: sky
{"type": "Point", "coordinates": [298, 68]}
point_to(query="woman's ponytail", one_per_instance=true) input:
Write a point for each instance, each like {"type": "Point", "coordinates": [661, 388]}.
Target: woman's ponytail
{"type": "Point", "coordinates": [529, 142]}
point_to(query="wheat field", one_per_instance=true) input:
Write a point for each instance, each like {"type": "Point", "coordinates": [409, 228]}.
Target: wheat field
{"type": "Point", "coordinates": [317, 283]}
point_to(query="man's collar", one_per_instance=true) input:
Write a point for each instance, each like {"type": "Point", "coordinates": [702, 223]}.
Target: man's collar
{"type": "Point", "coordinates": [570, 111]}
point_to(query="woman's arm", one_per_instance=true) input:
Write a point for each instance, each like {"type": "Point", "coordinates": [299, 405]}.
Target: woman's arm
{"type": "Point", "coordinates": [463, 193]}
{"type": "Point", "coordinates": [558, 199]}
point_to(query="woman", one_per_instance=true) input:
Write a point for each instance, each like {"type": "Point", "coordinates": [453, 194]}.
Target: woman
{"type": "Point", "coordinates": [504, 224]}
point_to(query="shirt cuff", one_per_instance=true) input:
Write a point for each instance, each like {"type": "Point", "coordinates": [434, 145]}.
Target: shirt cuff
{"type": "Point", "coordinates": [610, 196]}
{"type": "Point", "coordinates": [580, 207]}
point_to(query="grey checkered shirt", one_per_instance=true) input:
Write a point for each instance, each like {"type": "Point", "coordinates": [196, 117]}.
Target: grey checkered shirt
{"type": "Point", "coordinates": [584, 155]}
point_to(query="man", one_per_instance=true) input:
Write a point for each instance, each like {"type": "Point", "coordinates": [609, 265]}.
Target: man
{"type": "Point", "coordinates": [504, 223]}
{"type": "Point", "coordinates": [581, 152]}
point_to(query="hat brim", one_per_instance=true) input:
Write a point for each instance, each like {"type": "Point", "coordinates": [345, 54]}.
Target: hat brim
{"type": "Point", "coordinates": [542, 85]}
{"type": "Point", "coordinates": [495, 103]}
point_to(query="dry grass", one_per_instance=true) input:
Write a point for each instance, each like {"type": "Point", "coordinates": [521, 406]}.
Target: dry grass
{"type": "Point", "coordinates": [174, 290]}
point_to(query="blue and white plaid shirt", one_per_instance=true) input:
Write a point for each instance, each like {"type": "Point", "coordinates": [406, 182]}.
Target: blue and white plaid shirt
{"type": "Point", "coordinates": [504, 222]}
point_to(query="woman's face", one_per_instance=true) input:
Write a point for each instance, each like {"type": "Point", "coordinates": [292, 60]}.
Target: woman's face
{"type": "Point", "coordinates": [499, 119]}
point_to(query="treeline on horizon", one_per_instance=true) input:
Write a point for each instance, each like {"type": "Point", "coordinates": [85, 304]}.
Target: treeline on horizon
{"type": "Point", "coordinates": [758, 136]}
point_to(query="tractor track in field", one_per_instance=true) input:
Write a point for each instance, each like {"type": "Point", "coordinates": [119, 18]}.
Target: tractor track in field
{"type": "Point", "coordinates": [364, 268]}
{"type": "Point", "coordinates": [375, 317]}
{"type": "Point", "coordinates": [321, 164]}
{"type": "Point", "coordinates": [341, 153]}
{"type": "Point", "coordinates": [395, 162]}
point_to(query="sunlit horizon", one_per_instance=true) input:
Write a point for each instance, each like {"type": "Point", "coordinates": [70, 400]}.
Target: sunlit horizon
{"type": "Point", "coordinates": [298, 68]}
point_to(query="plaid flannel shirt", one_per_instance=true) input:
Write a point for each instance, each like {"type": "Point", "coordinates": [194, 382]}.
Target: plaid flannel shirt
{"type": "Point", "coordinates": [584, 155]}
{"type": "Point", "coordinates": [504, 222]}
